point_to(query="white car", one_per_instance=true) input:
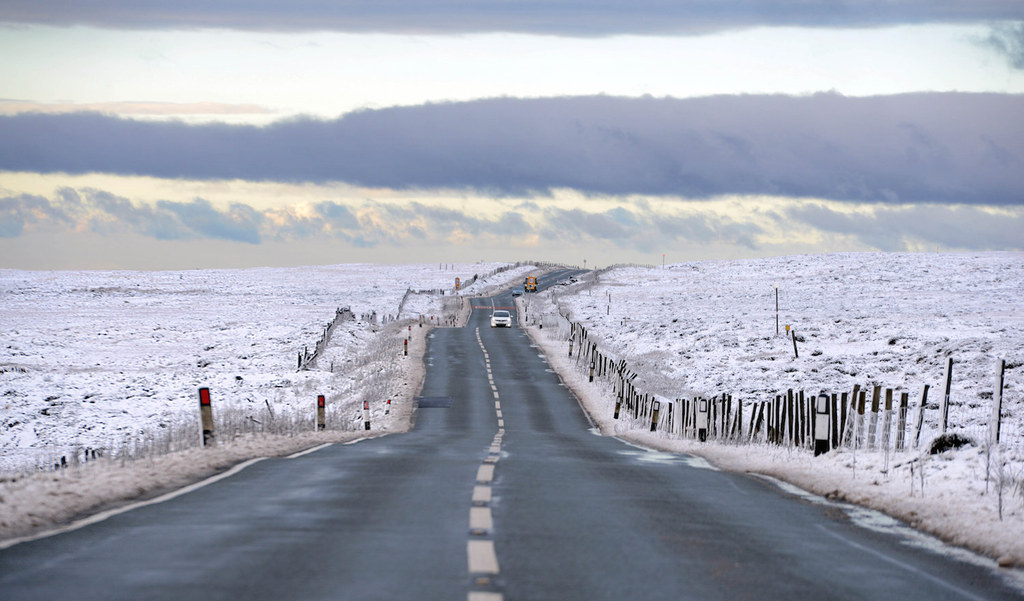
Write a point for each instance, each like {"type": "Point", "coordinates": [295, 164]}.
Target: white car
{"type": "Point", "coordinates": [501, 319]}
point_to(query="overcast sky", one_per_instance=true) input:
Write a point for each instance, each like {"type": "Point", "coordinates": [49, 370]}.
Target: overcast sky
{"type": "Point", "coordinates": [176, 134]}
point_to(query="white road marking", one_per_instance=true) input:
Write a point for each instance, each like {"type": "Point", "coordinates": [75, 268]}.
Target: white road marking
{"type": "Point", "coordinates": [501, 423]}
{"type": "Point", "coordinates": [496, 394]}
{"type": "Point", "coordinates": [484, 596]}
{"type": "Point", "coordinates": [485, 474]}
{"type": "Point", "coordinates": [481, 494]}
{"type": "Point", "coordinates": [499, 412]}
{"type": "Point", "coordinates": [482, 558]}
{"type": "Point", "coordinates": [308, 451]}
{"type": "Point", "coordinates": [480, 518]}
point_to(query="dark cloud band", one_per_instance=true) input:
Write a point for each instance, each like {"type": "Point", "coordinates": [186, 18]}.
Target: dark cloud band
{"type": "Point", "coordinates": [929, 147]}
{"type": "Point", "coordinates": [561, 17]}
{"type": "Point", "coordinates": [632, 225]}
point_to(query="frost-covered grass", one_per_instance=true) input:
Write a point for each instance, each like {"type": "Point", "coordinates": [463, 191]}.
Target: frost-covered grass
{"type": "Point", "coordinates": [114, 360]}
{"type": "Point", "coordinates": [708, 328]}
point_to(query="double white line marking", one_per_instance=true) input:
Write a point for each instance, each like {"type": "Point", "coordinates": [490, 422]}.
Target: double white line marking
{"type": "Point", "coordinates": [483, 560]}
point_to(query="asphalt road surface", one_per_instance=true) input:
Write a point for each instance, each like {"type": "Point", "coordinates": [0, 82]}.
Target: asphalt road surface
{"type": "Point", "coordinates": [501, 491]}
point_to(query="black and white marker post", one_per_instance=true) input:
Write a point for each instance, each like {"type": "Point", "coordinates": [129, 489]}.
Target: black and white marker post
{"type": "Point", "coordinates": [702, 420]}
{"type": "Point", "coordinates": [206, 416]}
{"type": "Point", "coordinates": [366, 415]}
{"type": "Point", "coordinates": [654, 415]}
{"type": "Point", "coordinates": [822, 425]}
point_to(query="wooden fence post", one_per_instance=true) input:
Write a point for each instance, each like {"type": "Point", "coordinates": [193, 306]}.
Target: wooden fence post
{"type": "Point", "coordinates": [756, 419]}
{"type": "Point", "coordinates": [887, 419]}
{"type": "Point", "coordinates": [997, 403]}
{"type": "Point", "coordinates": [901, 423]}
{"type": "Point", "coordinates": [849, 417]}
{"type": "Point", "coordinates": [944, 416]}
{"type": "Point", "coordinates": [834, 421]}
{"type": "Point", "coordinates": [919, 418]}
{"type": "Point", "coordinates": [873, 420]}
{"type": "Point", "coordinates": [861, 403]}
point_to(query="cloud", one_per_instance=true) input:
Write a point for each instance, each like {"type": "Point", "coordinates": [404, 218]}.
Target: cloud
{"type": "Point", "coordinates": [239, 223]}
{"type": "Point", "coordinates": [560, 17]}
{"type": "Point", "coordinates": [102, 212]}
{"type": "Point", "coordinates": [625, 226]}
{"type": "Point", "coordinates": [927, 147]}
{"type": "Point", "coordinates": [11, 107]}
{"type": "Point", "coordinates": [1007, 39]}
{"type": "Point", "coordinates": [17, 212]}
{"type": "Point", "coordinates": [914, 227]}
{"type": "Point", "coordinates": [367, 223]}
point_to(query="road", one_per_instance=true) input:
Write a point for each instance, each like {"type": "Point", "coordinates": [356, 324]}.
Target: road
{"type": "Point", "coordinates": [501, 491]}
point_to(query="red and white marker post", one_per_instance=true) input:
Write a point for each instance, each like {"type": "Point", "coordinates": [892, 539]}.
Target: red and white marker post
{"type": "Point", "coordinates": [321, 413]}
{"type": "Point", "coordinates": [366, 415]}
{"type": "Point", "coordinates": [206, 416]}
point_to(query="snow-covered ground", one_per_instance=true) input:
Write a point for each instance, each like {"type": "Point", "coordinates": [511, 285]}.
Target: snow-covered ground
{"type": "Point", "coordinates": [95, 359]}
{"type": "Point", "coordinates": [110, 360]}
{"type": "Point", "coordinates": [113, 361]}
{"type": "Point", "coordinates": [708, 328]}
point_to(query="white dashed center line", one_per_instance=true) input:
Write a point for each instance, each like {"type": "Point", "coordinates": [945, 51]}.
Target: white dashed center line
{"type": "Point", "coordinates": [482, 558]}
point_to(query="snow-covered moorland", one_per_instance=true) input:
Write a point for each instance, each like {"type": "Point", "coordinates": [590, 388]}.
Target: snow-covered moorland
{"type": "Point", "coordinates": [113, 360]}
{"type": "Point", "coordinates": [892, 320]}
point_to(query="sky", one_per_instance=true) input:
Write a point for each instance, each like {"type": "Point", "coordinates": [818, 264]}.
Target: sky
{"type": "Point", "coordinates": [180, 134]}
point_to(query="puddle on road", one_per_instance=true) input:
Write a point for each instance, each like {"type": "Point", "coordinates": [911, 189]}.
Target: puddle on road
{"type": "Point", "coordinates": [663, 458]}
{"type": "Point", "coordinates": [646, 455]}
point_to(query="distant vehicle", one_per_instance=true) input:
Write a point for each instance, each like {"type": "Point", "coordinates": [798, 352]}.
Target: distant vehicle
{"type": "Point", "coordinates": [531, 284]}
{"type": "Point", "coordinates": [518, 291]}
{"type": "Point", "coordinates": [501, 319]}
{"type": "Point", "coordinates": [564, 283]}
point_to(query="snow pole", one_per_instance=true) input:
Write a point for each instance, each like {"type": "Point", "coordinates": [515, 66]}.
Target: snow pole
{"type": "Point", "coordinates": [321, 413]}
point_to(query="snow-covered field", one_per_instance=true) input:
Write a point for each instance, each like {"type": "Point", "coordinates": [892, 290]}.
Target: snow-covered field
{"type": "Point", "coordinates": [708, 328]}
{"type": "Point", "coordinates": [114, 360]}
{"type": "Point", "coordinates": [95, 359]}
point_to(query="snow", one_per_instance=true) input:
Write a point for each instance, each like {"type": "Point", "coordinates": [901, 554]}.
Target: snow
{"type": "Point", "coordinates": [112, 360]}
{"type": "Point", "coordinates": [708, 328]}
